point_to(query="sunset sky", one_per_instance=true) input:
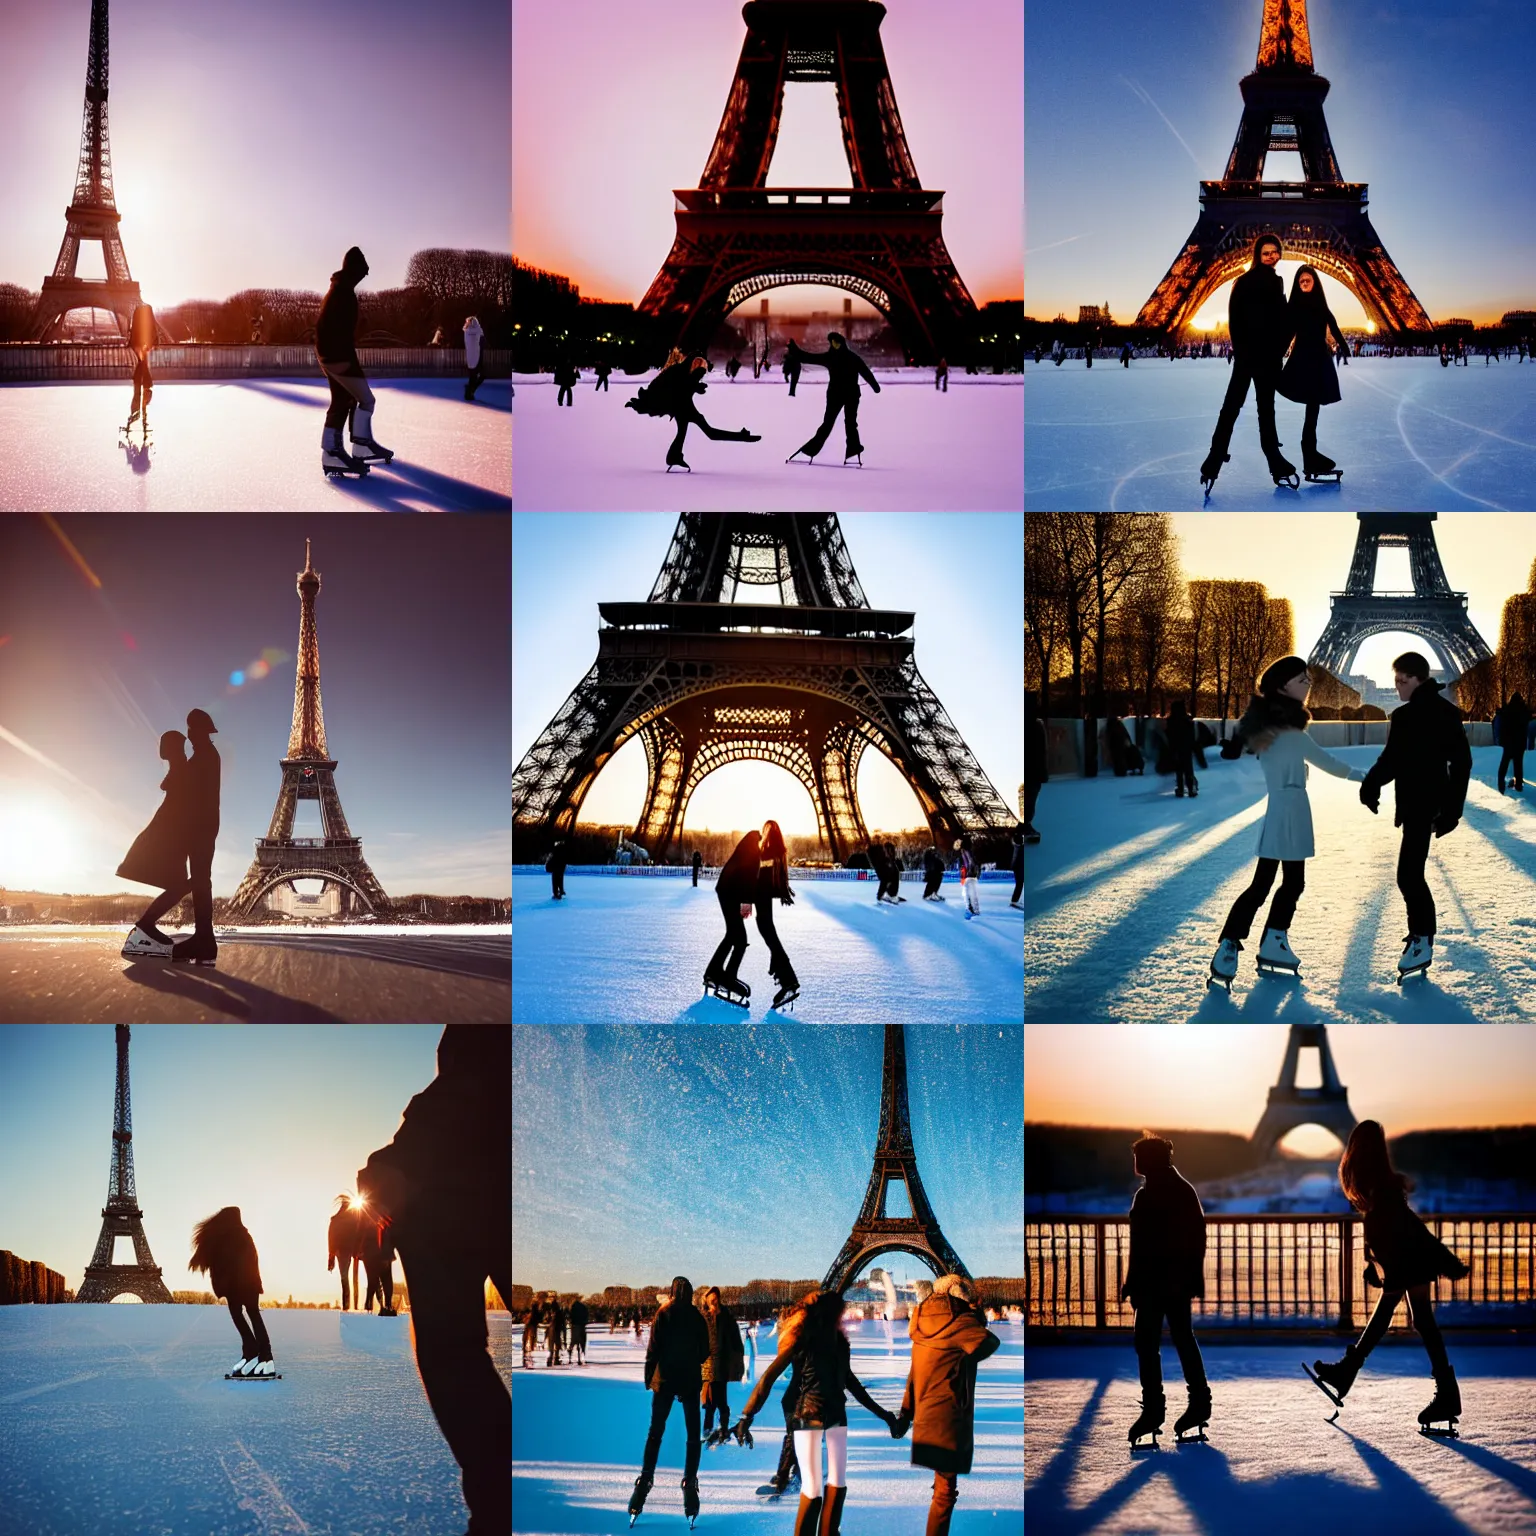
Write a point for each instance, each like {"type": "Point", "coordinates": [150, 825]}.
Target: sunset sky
{"type": "Point", "coordinates": [252, 143]}
{"type": "Point", "coordinates": [616, 104]}
{"type": "Point", "coordinates": [1130, 106]}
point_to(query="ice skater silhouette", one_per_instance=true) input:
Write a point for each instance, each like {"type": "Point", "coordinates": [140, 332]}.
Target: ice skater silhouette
{"type": "Point", "coordinates": [159, 854]}
{"type": "Point", "coordinates": [844, 370]}
{"type": "Point", "coordinates": [222, 1247]}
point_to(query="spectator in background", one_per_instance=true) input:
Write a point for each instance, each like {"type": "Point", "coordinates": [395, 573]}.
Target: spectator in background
{"type": "Point", "coordinates": [474, 335]}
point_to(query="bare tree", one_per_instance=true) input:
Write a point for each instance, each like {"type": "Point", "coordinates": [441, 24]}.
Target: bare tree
{"type": "Point", "coordinates": [1045, 627]}
{"type": "Point", "coordinates": [1517, 646]}
{"type": "Point", "coordinates": [1149, 617]}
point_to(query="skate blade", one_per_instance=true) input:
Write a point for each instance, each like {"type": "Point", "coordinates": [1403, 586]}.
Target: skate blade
{"type": "Point", "coordinates": [1274, 968]}
{"type": "Point", "coordinates": [1323, 1387]}
{"type": "Point", "coordinates": [1140, 1447]}
{"type": "Point", "coordinates": [1448, 1433]}
{"type": "Point", "coordinates": [1197, 1437]}
{"type": "Point", "coordinates": [1418, 970]}
{"type": "Point", "coordinates": [1218, 981]}
{"type": "Point", "coordinates": [253, 1378]}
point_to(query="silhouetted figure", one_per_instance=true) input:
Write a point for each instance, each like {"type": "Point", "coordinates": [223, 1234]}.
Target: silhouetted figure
{"type": "Point", "coordinates": [554, 1323]}
{"type": "Point", "coordinates": [445, 1184]}
{"type": "Point", "coordinates": [1514, 725]}
{"type": "Point", "coordinates": [1181, 746]}
{"type": "Point", "coordinates": [336, 349]}
{"type": "Point", "coordinates": [1411, 1257]}
{"type": "Point", "coordinates": [474, 339]}
{"type": "Point", "coordinates": [671, 393]}
{"type": "Point", "coordinates": [555, 862]}
{"type": "Point", "coordinates": [1018, 867]}
{"type": "Point", "coordinates": [941, 376]}
{"type": "Point", "coordinates": [725, 1363]}
{"type": "Point", "coordinates": [882, 873]}
{"type": "Point", "coordinates": [202, 833]}
{"type": "Point", "coordinates": [1309, 376]}
{"type": "Point", "coordinates": [950, 1338]}
{"type": "Point", "coordinates": [578, 1321]}
{"type": "Point", "coordinates": [844, 370]}
{"type": "Point", "coordinates": [141, 337]}
{"type": "Point", "coordinates": [792, 368]}
{"type": "Point", "coordinates": [698, 864]}
{"type": "Point", "coordinates": [735, 890]}
{"type": "Point", "coordinates": [566, 375]}
{"type": "Point", "coordinates": [604, 369]}
{"type": "Point", "coordinates": [732, 368]}
{"type": "Point", "coordinates": [933, 875]}
{"type": "Point", "coordinates": [892, 873]}
{"type": "Point", "coordinates": [773, 885]}
{"type": "Point", "coordinates": [1036, 769]}
{"type": "Point", "coordinates": [1126, 354]}
{"type": "Point", "coordinates": [674, 1360]}
{"type": "Point", "coordinates": [222, 1247]}
{"type": "Point", "coordinates": [344, 1244]}
{"type": "Point", "coordinates": [1166, 1269]}
{"type": "Point", "coordinates": [159, 854]}
{"type": "Point", "coordinates": [376, 1244]}
{"type": "Point", "coordinates": [531, 1321]}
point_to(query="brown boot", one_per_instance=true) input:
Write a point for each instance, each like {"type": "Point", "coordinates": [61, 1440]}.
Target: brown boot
{"type": "Point", "coordinates": [809, 1518]}
{"type": "Point", "coordinates": [832, 1510]}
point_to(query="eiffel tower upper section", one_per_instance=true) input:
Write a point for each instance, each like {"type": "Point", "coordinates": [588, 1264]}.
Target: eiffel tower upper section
{"type": "Point", "coordinates": [306, 741]}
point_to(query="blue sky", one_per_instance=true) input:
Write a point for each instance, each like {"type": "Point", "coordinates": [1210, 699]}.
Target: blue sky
{"type": "Point", "coordinates": [275, 1119]}
{"type": "Point", "coordinates": [744, 1153]}
{"type": "Point", "coordinates": [1431, 104]}
{"type": "Point", "coordinates": [961, 573]}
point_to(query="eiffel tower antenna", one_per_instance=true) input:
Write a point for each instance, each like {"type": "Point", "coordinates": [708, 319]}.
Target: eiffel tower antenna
{"type": "Point", "coordinates": [122, 1216]}
{"type": "Point", "coordinates": [92, 214]}
{"type": "Point", "coordinates": [1290, 1106]}
{"type": "Point", "coordinates": [874, 1232]}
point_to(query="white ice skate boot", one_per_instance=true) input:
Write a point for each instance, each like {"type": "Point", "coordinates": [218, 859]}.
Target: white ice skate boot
{"type": "Point", "coordinates": [364, 448]}
{"type": "Point", "coordinates": [139, 945]}
{"type": "Point", "coordinates": [265, 1368]}
{"type": "Point", "coordinates": [334, 459]}
{"type": "Point", "coordinates": [1418, 953]}
{"type": "Point", "coordinates": [1275, 953]}
{"type": "Point", "coordinates": [246, 1366]}
{"type": "Point", "coordinates": [1224, 964]}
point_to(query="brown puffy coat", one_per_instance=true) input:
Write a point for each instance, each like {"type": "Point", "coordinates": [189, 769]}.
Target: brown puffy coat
{"type": "Point", "coordinates": [949, 1340]}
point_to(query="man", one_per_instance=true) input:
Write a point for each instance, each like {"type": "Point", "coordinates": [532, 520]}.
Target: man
{"type": "Point", "coordinates": [933, 874]}
{"type": "Point", "coordinates": [1428, 758]}
{"type": "Point", "coordinates": [1166, 1269]}
{"type": "Point", "coordinates": [1036, 769]}
{"type": "Point", "coordinates": [578, 1320]}
{"type": "Point", "coordinates": [844, 369]}
{"type": "Point", "coordinates": [555, 1327]}
{"type": "Point", "coordinates": [950, 1338]}
{"type": "Point", "coordinates": [336, 351]}
{"type": "Point", "coordinates": [1261, 331]}
{"type": "Point", "coordinates": [1514, 723]}
{"type": "Point", "coordinates": [202, 803]}
{"type": "Point", "coordinates": [555, 864]}
{"type": "Point", "coordinates": [530, 1327]}
{"type": "Point", "coordinates": [674, 1360]}
{"type": "Point", "coordinates": [698, 864]}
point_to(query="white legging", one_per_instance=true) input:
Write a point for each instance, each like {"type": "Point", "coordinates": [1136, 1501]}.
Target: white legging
{"type": "Point", "coordinates": [808, 1454]}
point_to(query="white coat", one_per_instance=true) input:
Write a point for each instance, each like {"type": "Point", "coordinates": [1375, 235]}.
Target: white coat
{"type": "Point", "coordinates": [1287, 829]}
{"type": "Point", "coordinates": [472, 335]}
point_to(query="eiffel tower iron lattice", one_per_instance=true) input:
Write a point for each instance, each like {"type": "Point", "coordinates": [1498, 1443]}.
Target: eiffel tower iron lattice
{"type": "Point", "coordinates": [881, 238]}
{"type": "Point", "coordinates": [122, 1216]}
{"type": "Point", "coordinates": [1290, 1106]}
{"type": "Point", "coordinates": [1322, 219]}
{"type": "Point", "coordinates": [874, 1232]}
{"type": "Point", "coordinates": [807, 684]}
{"type": "Point", "coordinates": [309, 773]}
{"type": "Point", "coordinates": [1432, 610]}
{"type": "Point", "coordinates": [92, 214]}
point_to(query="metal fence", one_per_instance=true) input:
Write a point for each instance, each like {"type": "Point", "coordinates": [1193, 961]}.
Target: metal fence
{"type": "Point", "coordinates": [1278, 1271]}
{"type": "Point", "coordinates": [21, 363]}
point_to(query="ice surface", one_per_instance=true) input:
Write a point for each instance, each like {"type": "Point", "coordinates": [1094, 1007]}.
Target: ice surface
{"type": "Point", "coordinates": [955, 452]}
{"type": "Point", "coordinates": [1274, 1465]}
{"type": "Point", "coordinates": [577, 1438]}
{"type": "Point", "coordinates": [251, 445]}
{"type": "Point", "coordinates": [1410, 435]}
{"type": "Point", "coordinates": [117, 1419]}
{"type": "Point", "coordinates": [624, 950]}
{"type": "Point", "coordinates": [1126, 893]}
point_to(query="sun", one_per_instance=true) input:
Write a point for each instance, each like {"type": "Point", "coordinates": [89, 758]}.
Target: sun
{"type": "Point", "coordinates": [37, 843]}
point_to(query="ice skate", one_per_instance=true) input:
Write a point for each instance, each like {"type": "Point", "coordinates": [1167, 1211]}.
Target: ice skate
{"type": "Point", "coordinates": [334, 459]}
{"type": "Point", "coordinates": [729, 989]}
{"type": "Point", "coordinates": [1281, 470]}
{"type": "Point", "coordinates": [1030, 835]}
{"type": "Point", "coordinates": [152, 946]}
{"type": "Point", "coordinates": [677, 461]}
{"type": "Point", "coordinates": [194, 951]}
{"type": "Point", "coordinates": [1150, 1422]}
{"type": "Point", "coordinates": [247, 1364]}
{"type": "Point", "coordinates": [1195, 1417]}
{"type": "Point", "coordinates": [749, 437]}
{"type": "Point", "coordinates": [810, 458]}
{"type": "Point", "coordinates": [265, 1368]}
{"type": "Point", "coordinates": [1418, 955]}
{"type": "Point", "coordinates": [1318, 466]}
{"type": "Point", "coordinates": [1446, 1405]}
{"type": "Point", "coordinates": [1224, 964]}
{"type": "Point", "coordinates": [1334, 1379]}
{"type": "Point", "coordinates": [637, 1498]}
{"type": "Point", "coordinates": [1210, 469]}
{"type": "Point", "coordinates": [364, 449]}
{"type": "Point", "coordinates": [690, 1487]}
{"type": "Point", "coordinates": [1276, 956]}
{"type": "Point", "coordinates": [786, 994]}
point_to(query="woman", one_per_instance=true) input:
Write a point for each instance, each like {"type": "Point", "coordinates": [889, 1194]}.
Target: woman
{"type": "Point", "coordinates": [474, 336]}
{"type": "Point", "coordinates": [1274, 728]}
{"type": "Point", "coordinates": [773, 881]}
{"type": "Point", "coordinates": [814, 1343]}
{"type": "Point", "coordinates": [726, 1363]}
{"type": "Point", "coordinates": [159, 854]}
{"type": "Point", "coordinates": [1308, 376]}
{"type": "Point", "coordinates": [735, 890]}
{"type": "Point", "coordinates": [223, 1247]}
{"type": "Point", "coordinates": [671, 393]}
{"type": "Point", "coordinates": [1411, 1259]}
{"type": "Point", "coordinates": [140, 339]}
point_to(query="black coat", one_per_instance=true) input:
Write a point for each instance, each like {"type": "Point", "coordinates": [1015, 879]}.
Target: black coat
{"type": "Point", "coordinates": [679, 1346]}
{"type": "Point", "coordinates": [1181, 739]}
{"type": "Point", "coordinates": [158, 856]}
{"type": "Point", "coordinates": [1309, 376]}
{"type": "Point", "coordinates": [824, 1376]}
{"type": "Point", "coordinates": [202, 793]}
{"type": "Point", "coordinates": [844, 369]}
{"type": "Point", "coordinates": [1514, 723]}
{"type": "Point", "coordinates": [1426, 757]}
{"type": "Point", "coordinates": [556, 862]}
{"type": "Point", "coordinates": [1259, 319]}
{"type": "Point", "coordinates": [336, 327]}
{"type": "Point", "coordinates": [698, 861]}
{"type": "Point", "coordinates": [737, 881]}
{"type": "Point", "coordinates": [1167, 1240]}
{"type": "Point", "coordinates": [579, 1315]}
{"type": "Point", "coordinates": [1408, 1252]}
{"type": "Point", "coordinates": [933, 865]}
{"type": "Point", "coordinates": [1036, 770]}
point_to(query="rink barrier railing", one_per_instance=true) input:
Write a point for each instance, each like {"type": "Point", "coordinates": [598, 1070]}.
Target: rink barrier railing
{"type": "Point", "coordinates": [989, 872]}
{"type": "Point", "coordinates": [1265, 1271]}
{"type": "Point", "coordinates": [195, 361]}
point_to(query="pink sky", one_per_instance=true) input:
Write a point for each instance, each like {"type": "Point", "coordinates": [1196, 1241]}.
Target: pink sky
{"type": "Point", "coordinates": [614, 104]}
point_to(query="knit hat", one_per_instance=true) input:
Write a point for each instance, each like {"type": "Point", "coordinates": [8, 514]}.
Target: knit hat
{"type": "Point", "coordinates": [1279, 673]}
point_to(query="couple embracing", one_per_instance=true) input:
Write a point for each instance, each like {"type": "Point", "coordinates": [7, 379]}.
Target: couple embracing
{"type": "Point", "coordinates": [1426, 757]}
{"type": "Point", "coordinates": [175, 851]}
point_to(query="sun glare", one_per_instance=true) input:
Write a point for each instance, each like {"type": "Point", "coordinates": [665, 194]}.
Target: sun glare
{"type": "Point", "coordinates": [36, 842]}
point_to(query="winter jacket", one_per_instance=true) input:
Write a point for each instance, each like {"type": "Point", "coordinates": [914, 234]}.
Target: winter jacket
{"type": "Point", "coordinates": [1309, 376]}
{"type": "Point", "coordinates": [1167, 1240]}
{"type": "Point", "coordinates": [949, 1340]}
{"type": "Point", "coordinates": [678, 1348]}
{"type": "Point", "coordinates": [1408, 1252]}
{"type": "Point", "coordinates": [968, 870]}
{"type": "Point", "coordinates": [336, 327]}
{"type": "Point", "coordinates": [737, 880]}
{"type": "Point", "coordinates": [142, 330]}
{"type": "Point", "coordinates": [578, 1316]}
{"type": "Point", "coordinates": [566, 374]}
{"type": "Point", "coordinates": [556, 861]}
{"type": "Point", "coordinates": [824, 1375]}
{"type": "Point", "coordinates": [202, 793]}
{"type": "Point", "coordinates": [1426, 756]}
{"type": "Point", "coordinates": [1181, 739]}
{"type": "Point", "coordinates": [473, 336]}
{"type": "Point", "coordinates": [1287, 829]}
{"type": "Point", "coordinates": [1514, 723]}
{"type": "Point", "coordinates": [233, 1270]}
{"type": "Point", "coordinates": [933, 865]}
{"type": "Point", "coordinates": [158, 856]}
{"type": "Point", "coordinates": [844, 369]}
{"type": "Point", "coordinates": [1258, 317]}
{"type": "Point", "coordinates": [727, 1359]}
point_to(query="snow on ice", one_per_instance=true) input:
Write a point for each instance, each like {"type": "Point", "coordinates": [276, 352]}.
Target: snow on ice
{"type": "Point", "coordinates": [1127, 891]}
{"type": "Point", "coordinates": [924, 451]}
{"type": "Point", "coordinates": [1410, 436]}
{"type": "Point", "coordinates": [116, 1420]}
{"type": "Point", "coordinates": [251, 445]}
{"type": "Point", "coordinates": [632, 950]}
{"type": "Point", "coordinates": [1274, 1465]}
{"type": "Point", "coordinates": [577, 1438]}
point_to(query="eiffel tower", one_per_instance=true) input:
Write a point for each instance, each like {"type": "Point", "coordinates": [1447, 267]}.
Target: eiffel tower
{"type": "Point", "coordinates": [309, 774]}
{"type": "Point", "coordinates": [1432, 610]}
{"type": "Point", "coordinates": [92, 214]}
{"type": "Point", "coordinates": [874, 1232]}
{"type": "Point", "coordinates": [1321, 219]}
{"type": "Point", "coordinates": [122, 1216]}
{"type": "Point", "coordinates": [807, 682]}
{"type": "Point", "coordinates": [880, 239]}
{"type": "Point", "coordinates": [1290, 1106]}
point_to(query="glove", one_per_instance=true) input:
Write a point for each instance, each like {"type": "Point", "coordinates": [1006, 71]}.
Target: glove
{"type": "Point", "coordinates": [1445, 824]}
{"type": "Point", "coordinates": [718, 1436]}
{"type": "Point", "coordinates": [743, 1431]}
{"type": "Point", "coordinates": [900, 1424]}
{"type": "Point", "coordinates": [788, 897]}
{"type": "Point", "coordinates": [1370, 798]}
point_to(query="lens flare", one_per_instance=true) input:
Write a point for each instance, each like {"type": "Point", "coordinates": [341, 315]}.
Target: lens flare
{"type": "Point", "coordinates": [236, 678]}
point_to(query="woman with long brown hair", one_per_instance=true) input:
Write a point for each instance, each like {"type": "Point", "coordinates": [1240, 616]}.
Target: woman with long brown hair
{"type": "Point", "coordinates": [1411, 1259]}
{"type": "Point", "coordinates": [223, 1247]}
{"type": "Point", "coordinates": [773, 881]}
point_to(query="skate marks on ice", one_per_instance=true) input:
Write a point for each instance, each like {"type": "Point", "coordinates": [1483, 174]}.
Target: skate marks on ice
{"type": "Point", "coordinates": [260, 1497]}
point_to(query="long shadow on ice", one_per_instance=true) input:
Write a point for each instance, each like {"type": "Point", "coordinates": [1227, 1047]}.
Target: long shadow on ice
{"type": "Point", "coordinates": [228, 995]}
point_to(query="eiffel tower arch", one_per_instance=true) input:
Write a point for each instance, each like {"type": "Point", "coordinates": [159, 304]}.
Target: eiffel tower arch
{"type": "Point", "coordinates": [1432, 610]}
{"type": "Point", "coordinates": [1322, 219]}
{"type": "Point", "coordinates": [1290, 1106]}
{"type": "Point", "coordinates": [881, 238]}
{"type": "Point", "coordinates": [807, 682]}
{"type": "Point", "coordinates": [122, 1217]}
{"type": "Point", "coordinates": [874, 1232]}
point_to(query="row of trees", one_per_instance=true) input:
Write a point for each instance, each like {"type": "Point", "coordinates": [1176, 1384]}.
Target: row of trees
{"type": "Point", "coordinates": [29, 1282]}
{"type": "Point", "coordinates": [1512, 668]}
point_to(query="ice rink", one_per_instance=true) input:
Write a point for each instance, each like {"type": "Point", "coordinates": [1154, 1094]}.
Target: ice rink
{"type": "Point", "coordinates": [1273, 1464]}
{"type": "Point", "coordinates": [632, 950]}
{"type": "Point", "coordinates": [1127, 891]}
{"type": "Point", "coordinates": [578, 1433]}
{"type": "Point", "coordinates": [924, 451]}
{"type": "Point", "coordinates": [251, 445]}
{"type": "Point", "coordinates": [1410, 436]}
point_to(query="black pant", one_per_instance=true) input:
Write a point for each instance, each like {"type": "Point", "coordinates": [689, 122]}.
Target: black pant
{"type": "Point", "coordinates": [778, 961]}
{"type": "Point", "coordinates": [931, 884]}
{"type": "Point", "coordinates": [1148, 1337]}
{"type": "Point", "coordinates": [734, 943]}
{"type": "Point", "coordinates": [794, 379]}
{"type": "Point", "coordinates": [1410, 876]}
{"type": "Point", "coordinates": [1263, 381]}
{"type": "Point", "coordinates": [1031, 799]}
{"type": "Point", "coordinates": [690, 418]}
{"type": "Point", "coordinates": [557, 882]}
{"type": "Point", "coordinates": [941, 381]}
{"type": "Point", "coordinates": [695, 878]}
{"type": "Point", "coordinates": [602, 383]}
{"type": "Point", "coordinates": [254, 1343]}
{"type": "Point", "coordinates": [1018, 884]}
{"type": "Point", "coordinates": [476, 378]}
{"type": "Point", "coordinates": [1515, 756]}
{"type": "Point", "coordinates": [850, 409]}
{"type": "Point", "coordinates": [1184, 774]}
{"type": "Point", "coordinates": [1309, 428]}
{"type": "Point", "coordinates": [200, 870]}
{"type": "Point", "coordinates": [563, 396]}
{"type": "Point", "coordinates": [661, 1406]}
{"type": "Point", "coordinates": [1282, 909]}
{"type": "Point", "coordinates": [787, 1460]}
